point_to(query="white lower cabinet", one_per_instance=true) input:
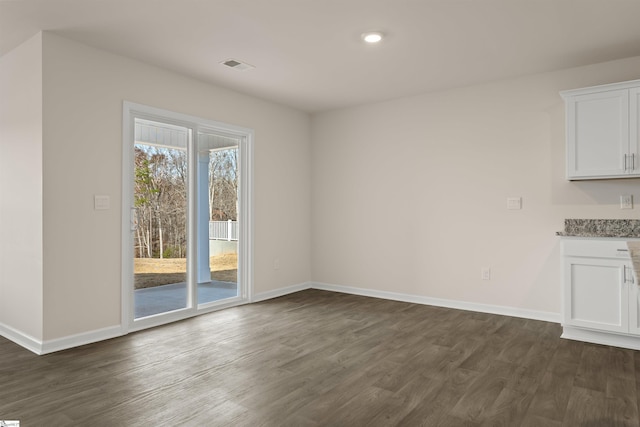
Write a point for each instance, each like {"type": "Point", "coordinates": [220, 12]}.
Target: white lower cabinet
{"type": "Point", "coordinates": [596, 295]}
{"type": "Point", "coordinates": [601, 296]}
{"type": "Point", "coordinates": [634, 309]}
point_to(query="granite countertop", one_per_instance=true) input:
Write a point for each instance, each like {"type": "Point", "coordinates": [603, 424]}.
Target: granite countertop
{"type": "Point", "coordinates": [601, 228]}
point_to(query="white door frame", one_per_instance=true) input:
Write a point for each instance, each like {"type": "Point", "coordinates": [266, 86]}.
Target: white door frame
{"type": "Point", "coordinates": [245, 214]}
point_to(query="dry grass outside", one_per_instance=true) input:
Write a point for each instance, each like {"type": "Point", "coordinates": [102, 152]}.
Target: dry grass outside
{"type": "Point", "coordinates": [150, 272]}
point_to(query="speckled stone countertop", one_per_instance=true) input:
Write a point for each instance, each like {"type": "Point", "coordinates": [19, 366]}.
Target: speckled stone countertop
{"type": "Point", "coordinates": [601, 228]}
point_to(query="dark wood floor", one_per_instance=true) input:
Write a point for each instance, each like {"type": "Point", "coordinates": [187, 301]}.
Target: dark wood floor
{"type": "Point", "coordinates": [322, 358]}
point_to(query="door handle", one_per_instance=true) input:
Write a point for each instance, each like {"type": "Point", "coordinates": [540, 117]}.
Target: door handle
{"type": "Point", "coordinates": [134, 219]}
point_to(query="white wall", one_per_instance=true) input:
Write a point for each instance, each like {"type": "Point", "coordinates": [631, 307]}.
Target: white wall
{"type": "Point", "coordinates": [83, 92]}
{"type": "Point", "coordinates": [409, 196]}
{"type": "Point", "coordinates": [21, 190]}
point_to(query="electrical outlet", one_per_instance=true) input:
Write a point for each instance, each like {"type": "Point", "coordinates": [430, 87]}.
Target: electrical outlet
{"type": "Point", "coordinates": [514, 203]}
{"type": "Point", "coordinates": [276, 264]}
{"type": "Point", "coordinates": [101, 203]}
{"type": "Point", "coordinates": [486, 273]}
{"type": "Point", "coordinates": [626, 201]}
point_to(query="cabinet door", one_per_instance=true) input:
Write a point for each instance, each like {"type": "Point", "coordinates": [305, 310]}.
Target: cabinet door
{"type": "Point", "coordinates": [634, 129]}
{"type": "Point", "coordinates": [595, 295]}
{"type": "Point", "coordinates": [598, 135]}
{"type": "Point", "coordinates": [634, 302]}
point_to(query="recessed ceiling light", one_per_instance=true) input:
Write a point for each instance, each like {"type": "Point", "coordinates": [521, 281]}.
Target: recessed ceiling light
{"type": "Point", "coordinates": [372, 37]}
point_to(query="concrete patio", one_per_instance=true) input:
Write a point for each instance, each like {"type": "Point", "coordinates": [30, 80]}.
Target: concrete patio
{"type": "Point", "coordinates": [160, 299]}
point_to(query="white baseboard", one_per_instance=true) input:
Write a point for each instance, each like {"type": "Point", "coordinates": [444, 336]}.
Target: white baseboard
{"type": "Point", "coordinates": [116, 331]}
{"type": "Point", "coordinates": [43, 347]}
{"type": "Point", "coordinates": [20, 338]}
{"type": "Point", "coordinates": [604, 338]}
{"type": "Point", "coordinates": [460, 305]}
{"type": "Point", "coordinates": [51, 346]}
{"type": "Point", "coordinates": [275, 293]}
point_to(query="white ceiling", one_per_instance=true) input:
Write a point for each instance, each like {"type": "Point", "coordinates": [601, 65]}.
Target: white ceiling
{"type": "Point", "coordinates": [308, 53]}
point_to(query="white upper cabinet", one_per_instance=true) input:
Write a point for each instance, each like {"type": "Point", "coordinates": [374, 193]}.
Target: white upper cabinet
{"type": "Point", "coordinates": [602, 131]}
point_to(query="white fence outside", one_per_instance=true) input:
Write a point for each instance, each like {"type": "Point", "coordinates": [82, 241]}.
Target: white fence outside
{"type": "Point", "coordinates": [223, 230]}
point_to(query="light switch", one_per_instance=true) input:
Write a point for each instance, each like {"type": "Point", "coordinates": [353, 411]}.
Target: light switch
{"type": "Point", "coordinates": [514, 203]}
{"type": "Point", "coordinates": [101, 203]}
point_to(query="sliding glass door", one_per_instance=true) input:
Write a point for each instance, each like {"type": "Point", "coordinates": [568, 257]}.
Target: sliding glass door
{"type": "Point", "coordinates": [186, 243]}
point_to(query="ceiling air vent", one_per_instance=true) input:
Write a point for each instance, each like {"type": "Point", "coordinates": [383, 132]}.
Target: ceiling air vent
{"type": "Point", "coordinates": [237, 65]}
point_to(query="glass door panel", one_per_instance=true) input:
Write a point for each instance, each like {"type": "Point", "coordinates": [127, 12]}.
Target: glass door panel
{"type": "Point", "coordinates": [160, 200]}
{"type": "Point", "coordinates": [218, 226]}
